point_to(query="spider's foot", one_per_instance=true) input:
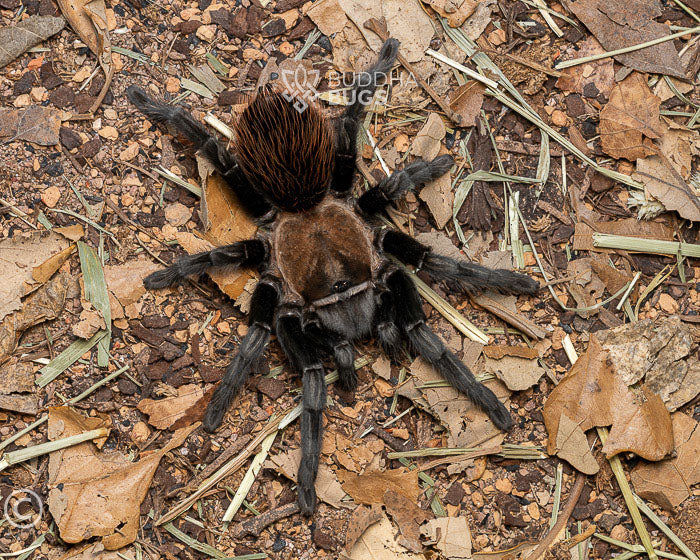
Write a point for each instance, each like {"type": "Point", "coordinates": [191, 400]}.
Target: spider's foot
{"type": "Point", "coordinates": [307, 500]}
{"type": "Point", "coordinates": [162, 278]}
{"type": "Point", "coordinates": [218, 405]}
{"type": "Point", "coordinates": [515, 283]}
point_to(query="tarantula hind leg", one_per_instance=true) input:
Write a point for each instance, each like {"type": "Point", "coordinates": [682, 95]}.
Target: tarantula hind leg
{"type": "Point", "coordinates": [250, 252]}
{"type": "Point", "coordinates": [303, 353]}
{"type": "Point", "coordinates": [410, 317]}
{"type": "Point", "coordinates": [410, 178]}
{"type": "Point", "coordinates": [468, 276]}
{"type": "Point", "coordinates": [262, 308]}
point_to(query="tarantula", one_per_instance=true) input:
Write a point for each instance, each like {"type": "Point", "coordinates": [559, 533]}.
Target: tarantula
{"type": "Point", "coordinates": [326, 278]}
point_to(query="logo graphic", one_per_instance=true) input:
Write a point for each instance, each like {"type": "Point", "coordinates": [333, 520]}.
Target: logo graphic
{"type": "Point", "coordinates": [23, 508]}
{"type": "Point", "coordinates": [299, 85]}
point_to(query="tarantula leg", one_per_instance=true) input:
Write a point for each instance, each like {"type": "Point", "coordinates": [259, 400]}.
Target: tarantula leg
{"type": "Point", "coordinates": [388, 332]}
{"type": "Point", "coordinates": [410, 178]}
{"type": "Point", "coordinates": [468, 276]}
{"type": "Point", "coordinates": [304, 356]}
{"type": "Point", "coordinates": [348, 124]}
{"type": "Point", "coordinates": [344, 356]}
{"type": "Point", "coordinates": [250, 252]}
{"type": "Point", "coordinates": [262, 308]}
{"type": "Point", "coordinates": [180, 122]}
{"type": "Point", "coordinates": [410, 317]}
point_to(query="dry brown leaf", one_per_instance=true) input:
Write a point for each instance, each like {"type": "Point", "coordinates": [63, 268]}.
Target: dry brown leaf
{"type": "Point", "coordinates": [44, 304]}
{"type": "Point", "coordinates": [657, 352]}
{"type": "Point", "coordinates": [17, 390]}
{"type": "Point", "coordinates": [677, 145]}
{"type": "Point", "coordinates": [451, 536]}
{"type": "Point", "coordinates": [668, 482]}
{"type": "Point", "coordinates": [36, 124]}
{"type": "Point", "coordinates": [667, 186]}
{"type": "Point", "coordinates": [572, 446]}
{"type": "Point", "coordinates": [428, 141]}
{"type": "Point", "coordinates": [225, 222]}
{"type": "Point", "coordinates": [629, 119]}
{"type": "Point", "coordinates": [369, 488]}
{"type": "Point", "coordinates": [164, 413]}
{"type": "Point", "coordinates": [328, 489]}
{"type": "Point", "coordinates": [379, 543]}
{"type": "Point", "coordinates": [517, 373]}
{"type": "Point", "coordinates": [599, 73]}
{"type": "Point", "coordinates": [125, 283]}
{"type": "Point", "coordinates": [360, 519]}
{"type": "Point", "coordinates": [95, 494]}
{"type": "Point", "coordinates": [19, 38]}
{"type": "Point", "coordinates": [89, 322]}
{"type": "Point", "coordinates": [79, 19]}
{"type": "Point", "coordinates": [408, 516]}
{"type": "Point", "coordinates": [592, 394]}
{"type": "Point", "coordinates": [465, 422]}
{"type": "Point", "coordinates": [613, 278]}
{"type": "Point", "coordinates": [623, 23]}
{"type": "Point", "coordinates": [96, 551]}
{"type": "Point", "coordinates": [585, 287]}
{"type": "Point", "coordinates": [631, 227]}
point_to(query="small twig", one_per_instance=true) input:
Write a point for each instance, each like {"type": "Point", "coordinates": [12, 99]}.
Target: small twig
{"type": "Point", "coordinates": [258, 524]}
{"type": "Point", "coordinates": [563, 518]}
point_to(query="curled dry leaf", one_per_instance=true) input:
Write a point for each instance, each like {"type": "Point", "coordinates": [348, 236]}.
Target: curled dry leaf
{"type": "Point", "coordinates": [17, 39]}
{"type": "Point", "coordinates": [36, 124]}
{"type": "Point", "coordinates": [408, 517]}
{"type": "Point", "coordinates": [95, 494]}
{"type": "Point", "coordinates": [585, 287]}
{"type": "Point", "coordinates": [78, 16]}
{"type": "Point", "coordinates": [44, 304]}
{"type": "Point", "coordinates": [668, 482]}
{"type": "Point", "coordinates": [593, 394]}
{"type": "Point", "coordinates": [664, 183]}
{"type": "Point", "coordinates": [360, 519]}
{"type": "Point", "coordinates": [466, 102]}
{"type": "Point", "coordinates": [518, 373]}
{"type": "Point", "coordinates": [125, 285]}
{"type": "Point", "coordinates": [630, 119]}
{"type": "Point", "coordinates": [572, 446]}
{"type": "Point", "coordinates": [189, 403]}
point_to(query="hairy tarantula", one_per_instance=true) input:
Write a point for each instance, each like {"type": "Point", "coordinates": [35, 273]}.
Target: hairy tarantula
{"type": "Point", "coordinates": [326, 279]}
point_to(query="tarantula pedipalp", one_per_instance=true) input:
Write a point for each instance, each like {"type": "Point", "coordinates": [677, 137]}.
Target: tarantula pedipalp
{"type": "Point", "coordinates": [326, 279]}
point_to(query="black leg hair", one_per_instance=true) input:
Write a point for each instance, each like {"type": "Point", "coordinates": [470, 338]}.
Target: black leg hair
{"type": "Point", "coordinates": [348, 124]}
{"type": "Point", "coordinates": [179, 122]}
{"type": "Point", "coordinates": [250, 252]}
{"type": "Point", "coordinates": [341, 349]}
{"type": "Point", "coordinates": [262, 308]}
{"type": "Point", "coordinates": [410, 178]}
{"type": "Point", "coordinates": [410, 317]}
{"type": "Point", "coordinates": [304, 356]}
{"type": "Point", "coordinates": [388, 332]}
{"type": "Point", "coordinates": [468, 276]}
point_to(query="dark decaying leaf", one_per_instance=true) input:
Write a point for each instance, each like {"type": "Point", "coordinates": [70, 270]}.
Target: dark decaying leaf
{"type": "Point", "coordinates": [36, 124]}
{"type": "Point", "coordinates": [17, 39]}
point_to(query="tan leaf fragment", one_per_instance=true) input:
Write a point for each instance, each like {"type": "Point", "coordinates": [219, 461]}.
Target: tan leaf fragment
{"type": "Point", "coordinates": [586, 288]}
{"type": "Point", "coordinates": [428, 141]}
{"type": "Point", "coordinates": [36, 124]}
{"type": "Point", "coordinates": [89, 322]}
{"type": "Point", "coordinates": [465, 422]}
{"type": "Point", "coordinates": [572, 446]}
{"type": "Point", "coordinates": [630, 116]}
{"type": "Point", "coordinates": [165, 413]}
{"type": "Point", "coordinates": [379, 543]}
{"type": "Point", "coordinates": [95, 494]}
{"type": "Point", "coordinates": [499, 351]}
{"type": "Point", "coordinates": [668, 482]}
{"type": "Point", "coordinates": [667, 186]}
{"type": "Point", "coordinates": [408, 516]}
{"type": "Point", "coordinates": [328, 489]}
{"type": "Point", "coordinates": [593, 394]}
{"type": "Point", "coordinates": [369, 488]}
{"type": "Point", "coordinates": [451, 536]}
{"type": "Point", "coordinates": [360, 519]}
{"type": "Point", "coordinates": [96, 551]}
{"type": "Point", "coordinates": [19, 38]}
{"type": "Point", "coordinates": [631, 227]}
{"type": "Point", "coordinates": [328, 16]}
{"type": "Point", "coordinates": [125, 283]}
{"type": "Point", "coordinates": [22, 258]}
{"type": "Point", "coordinates": [599, 73]}
{"type": "Point", "coordinates": [455, 12]}
{"type": "Point", "coordinates": [44, 304]}
{"type": "Point", "coordinates": [17, 390]}
{"type": "Point", "coordinates": [517, 373]}
{"type": "Point", "coordinates": [659, 353]}
{"type": "Point", "coordinates": [79, 19]}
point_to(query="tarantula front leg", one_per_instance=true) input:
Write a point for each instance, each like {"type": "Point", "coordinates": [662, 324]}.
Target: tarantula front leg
{"type": "Point", "coordinates": [410, 317]}
{"type": "Point", "coordinates": [348, 124]}
{"type": "Point", "coordinates": [304, 356]}
{"type": "Point", "coordinates": [250, 252]}
{"type": "Point", "coordinates": [180, 122]}
{"type": "Point", "coordinates": [410, 178]}
{"type": "Point", "coordinates": [469, 276]}
{"type": "Point", "coordinates": [262, 308]}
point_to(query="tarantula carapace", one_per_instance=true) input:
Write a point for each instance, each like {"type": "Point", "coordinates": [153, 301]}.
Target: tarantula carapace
{"type": "Point", "coordinates": [326, 276]}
